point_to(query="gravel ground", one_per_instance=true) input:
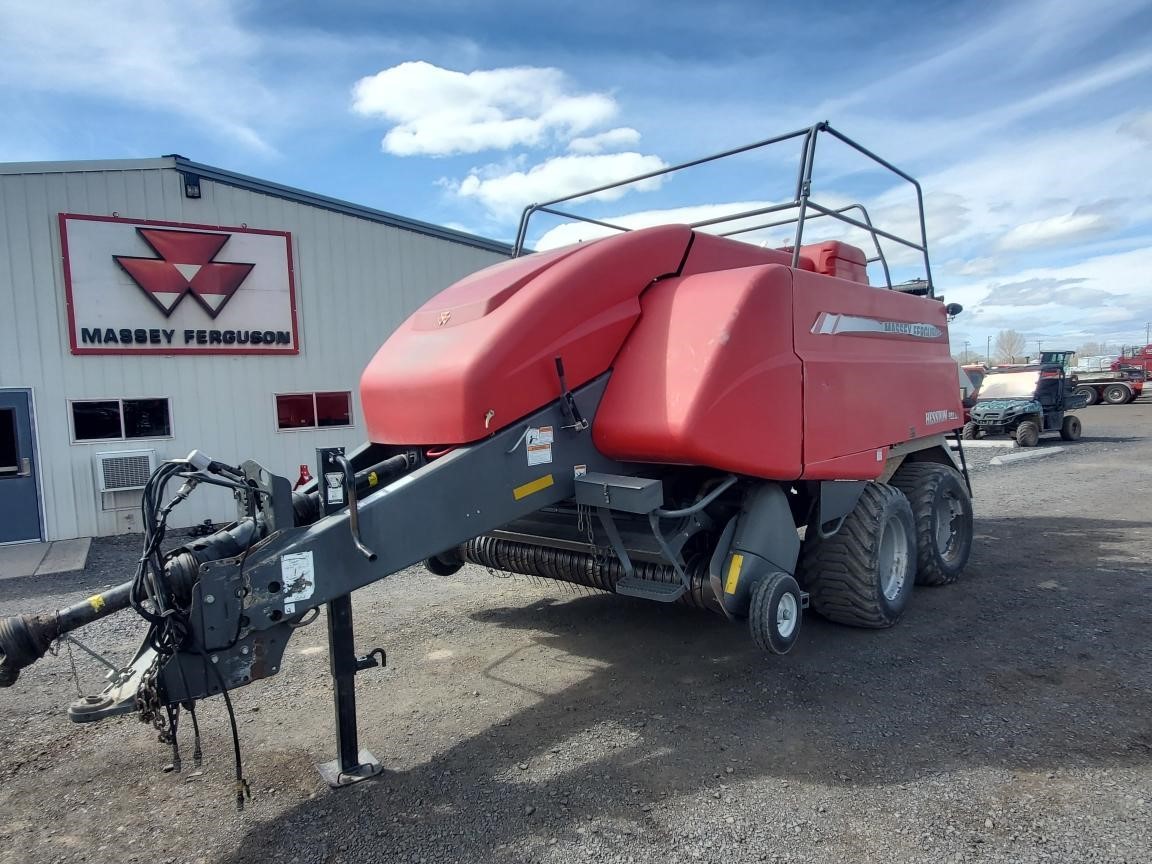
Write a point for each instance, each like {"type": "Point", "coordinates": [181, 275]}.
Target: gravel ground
{"type": "Point", "coordinates": [1006, 719]}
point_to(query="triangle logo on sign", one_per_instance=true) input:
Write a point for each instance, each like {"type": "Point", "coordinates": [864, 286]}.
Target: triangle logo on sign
{"type": "Point", "coordinates": [185, 265]}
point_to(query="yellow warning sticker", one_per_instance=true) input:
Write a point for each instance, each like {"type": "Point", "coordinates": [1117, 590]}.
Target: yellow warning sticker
{"type": "Point", "coordinates": [96, 601]}
{"type": "Point", "coordinates": [532, 487]}
{"type": "Point", "coordinates": [373, 478]}
{"type": "Point", "coordinates": [733, 573]}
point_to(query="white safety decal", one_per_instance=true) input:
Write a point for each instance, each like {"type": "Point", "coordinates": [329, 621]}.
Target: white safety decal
{"type": "Point", "coordinates": [539, 445]}
{"type": "Point", "coordinates": [299, 579]}
{"type": "Point", "coordinates": [335, 487]}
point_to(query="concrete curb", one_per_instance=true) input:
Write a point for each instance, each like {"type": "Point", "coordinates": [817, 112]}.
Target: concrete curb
{"type": "Point", "coordinates": [1032, 453]}
{"type": "Point", "coordinates": [981, 443]}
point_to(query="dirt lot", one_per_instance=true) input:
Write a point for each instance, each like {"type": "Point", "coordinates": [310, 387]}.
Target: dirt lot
{"type": "Point", "coordinates": [1008, 717]}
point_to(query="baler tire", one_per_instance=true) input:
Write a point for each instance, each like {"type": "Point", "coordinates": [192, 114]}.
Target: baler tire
{"type": "Point", "coordinates": [1028, 434]}
{"type": "Point", "coordinates": [775, 613]}
{"type": "Point", "coordinates": [970, 432]}
{"type": "Point", "coordinates": [929, 488]}
{"type": "Point", "coordinates": [842, 573]}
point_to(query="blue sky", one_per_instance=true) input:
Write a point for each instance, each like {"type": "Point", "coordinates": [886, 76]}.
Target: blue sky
{"type": "Point", "coordinates": [1028, 123]}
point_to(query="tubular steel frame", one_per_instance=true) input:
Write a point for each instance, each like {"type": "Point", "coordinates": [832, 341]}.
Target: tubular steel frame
{"type": "Point", "coordinates": [802, 202]}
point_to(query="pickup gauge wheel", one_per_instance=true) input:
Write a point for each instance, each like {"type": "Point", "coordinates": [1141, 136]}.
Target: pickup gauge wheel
{"type": "Point", "coordinates": [774, 616]}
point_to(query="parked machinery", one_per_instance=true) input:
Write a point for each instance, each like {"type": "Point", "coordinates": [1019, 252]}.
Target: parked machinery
{"type": "Point", "coordinates": [664, 413]}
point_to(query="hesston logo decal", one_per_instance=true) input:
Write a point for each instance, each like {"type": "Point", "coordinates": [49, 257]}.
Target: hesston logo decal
{"type": "Point", "coordinates": [136, 286]}
{"type": "Point", "coordinates": [185, 266]}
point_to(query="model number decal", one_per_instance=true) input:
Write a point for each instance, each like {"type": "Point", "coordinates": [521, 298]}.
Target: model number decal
{"type": "Point", "coordinates": [931, 418]}
{"type": "Point", "coordinates": [833, 324]}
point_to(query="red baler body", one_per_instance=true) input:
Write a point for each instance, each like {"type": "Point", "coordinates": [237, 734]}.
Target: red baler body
{"type": "Point", "coordinates": [721, 355]}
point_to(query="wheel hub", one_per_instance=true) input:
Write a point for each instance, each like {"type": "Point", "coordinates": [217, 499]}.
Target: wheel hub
{"type": "Point", "coordinates": [787, 615]}
{"type": "Point", "coordinates": [893, 563]}
{"type": "Point", "coordinates": [949, 512]}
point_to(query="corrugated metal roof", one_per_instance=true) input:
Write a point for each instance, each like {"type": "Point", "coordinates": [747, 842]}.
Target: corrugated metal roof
{"type": "Point", "coordinates": [266, 187]}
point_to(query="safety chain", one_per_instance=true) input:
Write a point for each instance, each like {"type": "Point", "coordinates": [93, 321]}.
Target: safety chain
{"type": "Point", "coordinates": [148, 704]}
{"type": "Point", "coordinates": [584, 523]}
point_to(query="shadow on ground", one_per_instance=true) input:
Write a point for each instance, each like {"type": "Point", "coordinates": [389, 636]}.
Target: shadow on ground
{"type": "Point", "coordinates": [1034, 661]}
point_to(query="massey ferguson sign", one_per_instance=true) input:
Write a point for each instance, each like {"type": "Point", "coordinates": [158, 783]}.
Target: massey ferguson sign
{"type": "Point", "coordinates": [137, 287]}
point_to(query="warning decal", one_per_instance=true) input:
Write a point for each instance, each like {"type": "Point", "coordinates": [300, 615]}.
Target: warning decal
{"type": "Point", "coordinates": [335, 483]}
{"type": "Point", "coordinates": [539, 444]}
{"type": "Point", "coordinates": [298, 577]}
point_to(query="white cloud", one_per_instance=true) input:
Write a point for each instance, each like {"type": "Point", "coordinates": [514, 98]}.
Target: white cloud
{"type": "Point", "coordinates": [576, 232]}
{"type": "Point", "coordinates": [1102, 298]}
{"type": "Point", "coordinates": [148, 55]}
{"type": "Point", "coordinates": [624, 136]}
{"type": "Point", "coordinates": [505, 192]}
{"type": "Point", "coordinates": [440, 112]}
{"type": "Point", "coordinates": [1054, 230]}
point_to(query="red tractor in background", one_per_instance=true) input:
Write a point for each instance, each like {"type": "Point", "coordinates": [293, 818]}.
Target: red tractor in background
{"type": "Point", "coordinates": [665, 413]}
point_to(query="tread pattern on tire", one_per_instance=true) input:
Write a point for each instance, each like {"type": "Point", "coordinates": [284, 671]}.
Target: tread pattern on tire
{"type": "Point", "coordinates": [838, 571]}
{"type": "Point", "coordinates": [1031, 430]}
{"type": "Point", "coordinates": [912, 480]}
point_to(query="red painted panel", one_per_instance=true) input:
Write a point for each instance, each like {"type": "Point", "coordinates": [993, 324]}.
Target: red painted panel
{"type": "Point", "coordinates": [708, 377]}
{"type": "Point", "coordinates": [710, 253]}
{"type": "Point", "coordinates": [872, 378]}
{"type": "Point", "coordinates": [481, 354]}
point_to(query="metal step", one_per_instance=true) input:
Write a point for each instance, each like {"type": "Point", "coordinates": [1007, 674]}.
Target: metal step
{"type": "Point", "coordinates": [661, 592]}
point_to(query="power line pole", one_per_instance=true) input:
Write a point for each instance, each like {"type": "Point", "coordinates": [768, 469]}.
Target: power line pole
{"type": "Point", "coordinates": [988, 351]}
{"type": "Point", "coordinates": [965, 355]}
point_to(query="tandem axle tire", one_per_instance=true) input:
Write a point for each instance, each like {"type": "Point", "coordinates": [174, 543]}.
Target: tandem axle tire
{"type": "Point", "coordinates": [862, 575]}
{"type": "Point", "coordinates": [1117, 394]}
{"type": "Point", "coordinates": [942, 510]}
{"type": "Point", "coordinates": [775, 613]}
{"type": "Point", "coordinates": [1088, 393]}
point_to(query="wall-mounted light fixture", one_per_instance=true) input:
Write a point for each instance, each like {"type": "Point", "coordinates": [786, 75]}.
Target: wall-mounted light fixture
{"type": "Point", "coordinates": [191, 185]}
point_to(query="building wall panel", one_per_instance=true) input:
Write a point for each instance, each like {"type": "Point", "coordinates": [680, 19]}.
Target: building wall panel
{"type": "Point", "coordinates": [355, 280]}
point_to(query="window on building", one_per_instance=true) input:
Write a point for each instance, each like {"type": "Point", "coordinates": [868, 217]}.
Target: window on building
{"type": "Point", "coordinates": [313, 410]}
{"type": "Point", "coordinates": [9, 453]}
{"type": "Point", "coordinates": [120, 419]}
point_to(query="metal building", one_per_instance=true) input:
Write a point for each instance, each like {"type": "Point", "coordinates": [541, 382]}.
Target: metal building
{"type": "Point", "coordinates": [154, 306]}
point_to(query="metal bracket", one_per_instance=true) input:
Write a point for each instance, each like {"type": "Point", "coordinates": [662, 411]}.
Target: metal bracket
{"type": "Point", "coordinates": [119, 697]}
{"type": "Point", "coordinates": [614, 538]}
{"type": "Point", "coordinates": [375, 658]}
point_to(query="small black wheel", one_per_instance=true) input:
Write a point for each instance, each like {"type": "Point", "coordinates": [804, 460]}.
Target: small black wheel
{"type": "Point", "coordinates": [1070, 429]}
{"type": "Point", "coordinates": [444, 564]}
{"type": "Point", "coordinates": [1088, 393]}
{"type": "Point", "coordinates": [1027, 434]}
{"type": "Point", "coordinates": [970, 431]}
{"type": "Point", "coordinates": [775, 613]}
{"type": "Point", "coordinates": [1116, 394]}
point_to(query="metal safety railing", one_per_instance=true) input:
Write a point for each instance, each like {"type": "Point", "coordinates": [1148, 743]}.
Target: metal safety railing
{"type": "Point", "coordinates": [801, 203]}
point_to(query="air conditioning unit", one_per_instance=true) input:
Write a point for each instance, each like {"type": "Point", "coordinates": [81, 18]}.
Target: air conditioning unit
{"type": "Point", "coordinates": [124, 470]}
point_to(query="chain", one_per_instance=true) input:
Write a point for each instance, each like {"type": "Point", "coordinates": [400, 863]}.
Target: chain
{"type": "Point", "coordinates": [584, 523]}
{"type": "Point", "coordinates": [75, 674]}
{"type": "Point", "coordinates": [148, 703]}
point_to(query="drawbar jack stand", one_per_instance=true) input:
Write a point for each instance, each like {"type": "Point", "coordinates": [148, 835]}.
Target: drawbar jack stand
{"type": "Point", "coordinates": [351, 764]}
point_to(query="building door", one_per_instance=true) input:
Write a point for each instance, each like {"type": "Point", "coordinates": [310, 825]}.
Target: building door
{"type": "Point", "coordinates": [19, 499]}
